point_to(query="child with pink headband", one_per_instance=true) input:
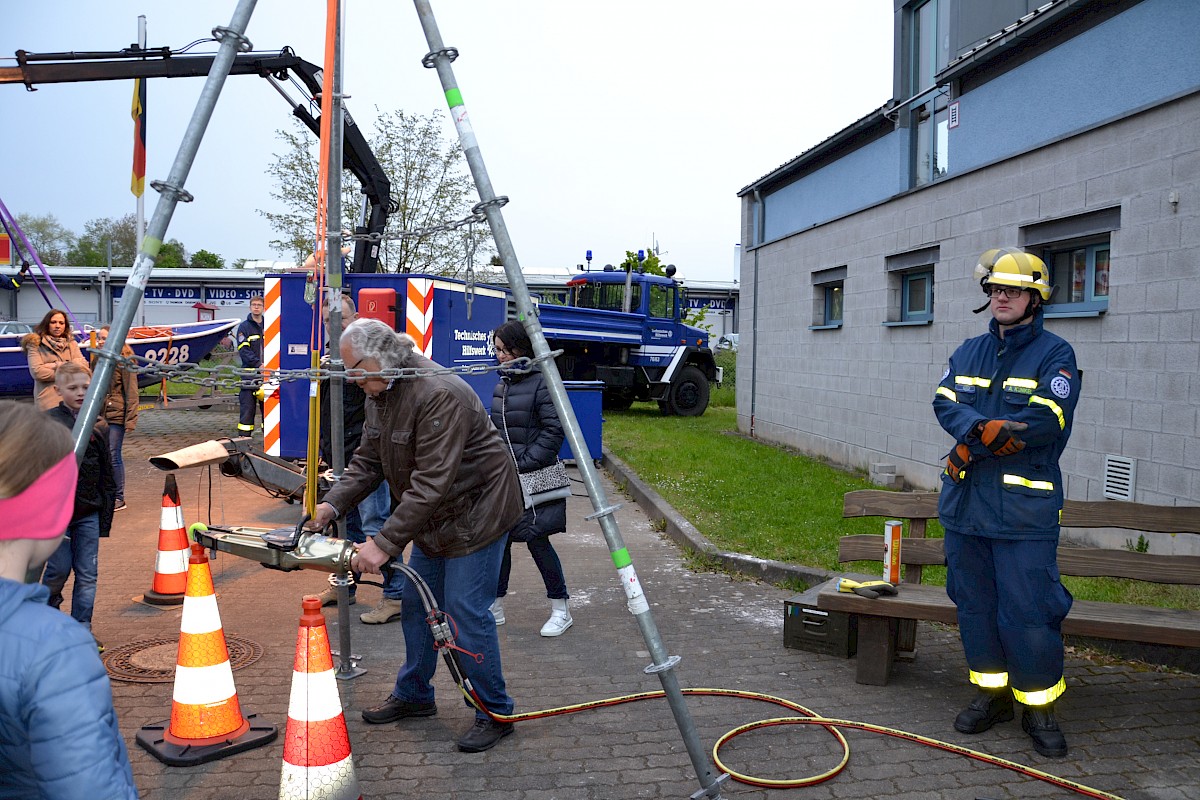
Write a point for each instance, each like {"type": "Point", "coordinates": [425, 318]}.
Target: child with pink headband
{"type": "Point", "coordinates": [60, 736]}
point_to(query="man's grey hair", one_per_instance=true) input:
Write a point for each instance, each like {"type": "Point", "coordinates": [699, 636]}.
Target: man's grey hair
{"type": "Point", "coordinates": [371, 338]}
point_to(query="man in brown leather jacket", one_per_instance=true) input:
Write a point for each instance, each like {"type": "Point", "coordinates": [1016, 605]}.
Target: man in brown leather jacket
{"type": "Point", "coordinates": [431, 439]}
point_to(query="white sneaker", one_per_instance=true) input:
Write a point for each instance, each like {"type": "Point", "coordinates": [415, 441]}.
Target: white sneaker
{"type": "Point", "coordinates": [560, 619]}
{"type": "Point", "coordinates": [497, 609]}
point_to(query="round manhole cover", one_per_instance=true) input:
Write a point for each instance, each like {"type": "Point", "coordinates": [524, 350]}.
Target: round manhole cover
{"type": "Point", "coordinates": [153, 660]}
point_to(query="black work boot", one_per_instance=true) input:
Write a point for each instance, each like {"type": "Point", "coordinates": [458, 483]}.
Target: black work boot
{"type": "Point", "coordinates": [989, 707]}
{"type": "Point", "coordinates": [1039, 723]}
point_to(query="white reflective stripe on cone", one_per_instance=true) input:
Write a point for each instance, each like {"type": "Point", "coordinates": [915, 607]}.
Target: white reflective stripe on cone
{"type": "Point", "coordinates": [332, 782]}
{"type": "Point", "coordinates": [196, 686]}
{"type": "Point", "coordinates": [171, 518]}
{"type": "Point", "coordinates": [314, 697]}
{"type": "Point", "coordinates": [200, 615]}
{"type": "Point", "coordinates": [171, 562]}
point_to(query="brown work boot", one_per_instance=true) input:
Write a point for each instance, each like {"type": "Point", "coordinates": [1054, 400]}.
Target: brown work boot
{"type": "Point", "coordinates": [386, 611]}
{"type": "Point", "coordinates": [989, 707]}
{"type": "Point", "coordinates": [329, 597]}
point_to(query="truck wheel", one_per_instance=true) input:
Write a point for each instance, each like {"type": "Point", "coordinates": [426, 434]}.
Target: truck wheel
{"type": "Point", "coordinates": [689, 392]}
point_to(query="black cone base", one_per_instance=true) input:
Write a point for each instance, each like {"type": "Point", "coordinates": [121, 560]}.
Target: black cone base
{"type": "Point", "coordinates": [152, 738]}
{"type": "Point", "coordinates": [154, 598]}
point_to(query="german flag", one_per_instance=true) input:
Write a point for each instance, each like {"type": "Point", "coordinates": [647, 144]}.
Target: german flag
{"type": "Point", "coordinates": [138, 184]}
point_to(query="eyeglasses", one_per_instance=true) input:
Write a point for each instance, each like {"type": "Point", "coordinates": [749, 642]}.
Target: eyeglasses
{"type": "Point", "coordinates": [356, 363]}
{"type": "Point", "coordinates": [504, 351]}
{"type": "Point", "coordinates": [1011, 292]}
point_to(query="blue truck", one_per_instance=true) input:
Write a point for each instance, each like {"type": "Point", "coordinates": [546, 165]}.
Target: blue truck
{"type": "Point", "coordinates": [626, 330]}
{"type": "Point", "coordinates": [644, 353]}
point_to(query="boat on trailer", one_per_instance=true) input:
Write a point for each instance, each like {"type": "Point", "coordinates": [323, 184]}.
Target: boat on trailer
{"type": "Point", "coordinates": [184, 343]}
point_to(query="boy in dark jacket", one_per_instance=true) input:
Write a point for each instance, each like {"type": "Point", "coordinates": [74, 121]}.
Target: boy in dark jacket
{"type": "Point", "coordinates": [95, 494]}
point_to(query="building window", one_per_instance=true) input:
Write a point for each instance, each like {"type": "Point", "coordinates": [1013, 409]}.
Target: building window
{"type": "Point", "coordinates": [833, 304]}
{"type": "Point", "coordinates": [931, 139]}
{"type": "Point", "coordinates": [828, 286]}
{"type": "Point", "coordinates": [1077, 252]}
{"type": "Point", "coordinates": [1079, 275]}
{"type": "Point", "coordinates": [916, 303]}
{"type": "Point", "coordinates": [930, 43]}
{"type": "Point", "coordinates": [910, 286]}
{"type": "Point", "coordinates": [928, 108]}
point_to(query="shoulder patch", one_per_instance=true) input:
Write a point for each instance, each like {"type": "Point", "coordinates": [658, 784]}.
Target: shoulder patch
{"type": "Point", "coordinates": [1061, 387]}
{"type": "Point", "coordinates": [945, 374]}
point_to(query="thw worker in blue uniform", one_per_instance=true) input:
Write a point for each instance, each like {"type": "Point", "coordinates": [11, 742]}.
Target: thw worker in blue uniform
{"type": "Point", "coordinates": [250, 350]}
{"type": "Point", "coordinates": [1008, 399]}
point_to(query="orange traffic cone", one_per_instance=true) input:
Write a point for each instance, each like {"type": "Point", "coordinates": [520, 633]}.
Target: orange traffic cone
{"type": "Point", "coordinates": [317, 764]}
{"type": "Point", "coordinates": [206, 719]}
{"type": "Point", "coordinates": [171, 565]}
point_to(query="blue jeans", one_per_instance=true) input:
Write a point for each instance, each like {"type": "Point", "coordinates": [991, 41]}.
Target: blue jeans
{"type": "Point", "coordinates": [465, 588]}
{"type": "Point", "coordinates": [116, 438]}
{"type": "Point", "coordinates": [546, 559]}
{"type": "Point", "coordinates": [80, 551]}
{"type": "Point", "coordinates": [372, 513]}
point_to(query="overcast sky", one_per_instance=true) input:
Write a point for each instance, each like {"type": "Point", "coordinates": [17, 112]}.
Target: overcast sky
{"type": "Point", "coordinates": [609, 125]}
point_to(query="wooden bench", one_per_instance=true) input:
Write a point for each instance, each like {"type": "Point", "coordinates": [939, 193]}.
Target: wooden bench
{"type": "Point", "coordinates": [887, 625]}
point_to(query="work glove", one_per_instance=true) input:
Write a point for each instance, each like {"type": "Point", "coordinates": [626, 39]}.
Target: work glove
{"type": "Point", "coordinates": [999, 436]}
{"type": "Point", "coordinates": [868, 589]}
{"type": "Point", "coordinates": [957, 461]}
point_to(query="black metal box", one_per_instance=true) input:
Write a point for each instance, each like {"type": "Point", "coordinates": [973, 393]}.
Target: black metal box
{"type": "Point", "coordinates": [806, 627]}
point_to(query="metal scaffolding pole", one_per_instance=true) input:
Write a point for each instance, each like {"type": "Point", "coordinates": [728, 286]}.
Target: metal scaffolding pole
{"type": "Point", "coordinates": [440, 58]}
{"type": "Point", "coordinates": [347, 664]}
{"type": "Point", "coordinates": [171, 192]}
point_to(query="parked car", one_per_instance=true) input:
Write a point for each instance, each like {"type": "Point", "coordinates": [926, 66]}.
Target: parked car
{"type": "Point", "coordinates": [13, 327]}
{"type": "Point", "coordinates": [728, 342]}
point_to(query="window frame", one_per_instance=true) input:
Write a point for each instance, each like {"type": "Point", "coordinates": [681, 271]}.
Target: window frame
{"type": "Point", "coordinates": [835, 297]}
{"type": "Point", "coordinates": [1091, 304]}
{"type": "Point", "coordinates": [907, 278]}
{"type": "Point", "coordinates": [828, 284]}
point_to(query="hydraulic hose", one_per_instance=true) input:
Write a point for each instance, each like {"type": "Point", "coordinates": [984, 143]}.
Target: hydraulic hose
{"type": "Point", "coordinates": [291, 549]}
{"type": "Point", "coordinates": [441, 625]}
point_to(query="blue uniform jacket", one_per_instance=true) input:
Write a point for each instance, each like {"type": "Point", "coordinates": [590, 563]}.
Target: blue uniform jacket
{"type": "Point", "coordinates": [59, 738]}
{"type": "Point", "coordinates": [250, 343]}
{"type": "Point", "coordinates": [1028, 376]}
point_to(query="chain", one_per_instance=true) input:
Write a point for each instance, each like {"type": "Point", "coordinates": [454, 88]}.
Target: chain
{"type": "Point", "coordinates": [232, 377]}
{"type": "Point", "coordinates": [477, 215]}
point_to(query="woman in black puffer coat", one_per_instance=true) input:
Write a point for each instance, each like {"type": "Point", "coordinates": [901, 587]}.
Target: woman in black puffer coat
{"type": "Point", "coordinates": [525, 416]}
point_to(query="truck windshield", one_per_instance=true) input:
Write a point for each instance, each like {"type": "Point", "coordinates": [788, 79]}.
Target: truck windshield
{"type": "Point", "coordinates": [607, 296]}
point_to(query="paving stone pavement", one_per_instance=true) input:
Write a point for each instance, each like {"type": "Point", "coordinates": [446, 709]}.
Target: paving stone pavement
{"type": "Point", "coordinates": [1133, 732]}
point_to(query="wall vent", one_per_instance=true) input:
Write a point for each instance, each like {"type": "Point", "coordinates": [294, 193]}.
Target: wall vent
{"type": "Point", "coordinates": [1119, 476]}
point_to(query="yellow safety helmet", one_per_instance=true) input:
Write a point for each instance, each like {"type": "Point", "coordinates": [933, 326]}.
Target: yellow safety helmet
{"type": "Point", "coordinates": [1011, 266]}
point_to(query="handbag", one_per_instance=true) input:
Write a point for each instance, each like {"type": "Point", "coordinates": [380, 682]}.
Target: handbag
{"type": "Point", "coordinates": [551, 480]}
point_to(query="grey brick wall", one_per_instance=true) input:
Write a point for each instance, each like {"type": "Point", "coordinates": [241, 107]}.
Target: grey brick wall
{"type": "Point", "coordinates": [861, 394]}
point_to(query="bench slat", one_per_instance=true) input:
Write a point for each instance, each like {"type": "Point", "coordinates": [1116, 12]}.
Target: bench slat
{"type": "Point", "coordinates": [1097, 620]}
{"type": "Point", "coordinates": [1131, 516]}
{"type": "Point", "coordinates": [1081, 562]}
{"type": "Point", "coordinates": [1076, 513]}
{"type": "Point", "coordinates": [891, 505]}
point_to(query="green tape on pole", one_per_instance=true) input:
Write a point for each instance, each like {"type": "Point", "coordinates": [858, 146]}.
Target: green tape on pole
{"type": "Point", "coordinates": [454, 97]}
{"type": "Point", "coordinates": [621, 558]}
{"type": "Point", "coordinates": [151, 246]}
